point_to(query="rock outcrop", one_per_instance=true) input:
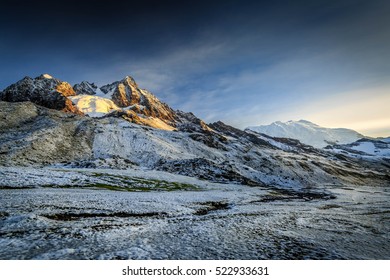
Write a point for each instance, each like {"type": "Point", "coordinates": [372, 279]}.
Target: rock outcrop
{"type": "Point", "coordinates": [43, 90]}
{"type": "Point", "coordinates": [85, 88]}
{"type": "Point", "coordinates": [135, 104]}
{"type": "Point", "coordinates": [126, 93]}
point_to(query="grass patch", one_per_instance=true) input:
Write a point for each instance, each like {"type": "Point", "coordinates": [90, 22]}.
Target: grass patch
{"type": "Point", "coordinates": [129, 184]}
{"type": "Point", "coordinates": [105, 186]}
{"type": "Point", "coordinates": [289, 195]}
{"type": "Point", "coordinates": [141, 184]}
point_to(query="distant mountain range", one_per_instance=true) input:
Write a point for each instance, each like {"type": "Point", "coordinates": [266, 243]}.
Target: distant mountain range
{"type": "Point", "coordinates": [309, 133]}
{"type": "Point", "coordinates": [47, 122]}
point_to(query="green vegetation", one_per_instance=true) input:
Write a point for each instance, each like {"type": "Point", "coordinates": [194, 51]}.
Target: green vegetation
{"type": "Point", "coordinates": [130, 184]}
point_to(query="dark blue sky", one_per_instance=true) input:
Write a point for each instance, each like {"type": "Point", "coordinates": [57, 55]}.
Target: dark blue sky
{"type": "Point", "coordinates": [243, 62]}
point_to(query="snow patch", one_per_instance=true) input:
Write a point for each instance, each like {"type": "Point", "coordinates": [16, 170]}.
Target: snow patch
{"type": "Point", "coordinates": [47, 76]}
{"type": "Point", "coordinates": [93, 106]}
{"type": "Point", "coordinates": [372, 149]}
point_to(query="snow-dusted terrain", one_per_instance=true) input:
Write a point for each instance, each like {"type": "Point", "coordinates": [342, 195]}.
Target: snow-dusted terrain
{"type": "Point", "coordinates": [364, 148]}
{"type": "Point", "coordinates": [198, 220]}
{"type": "Point", "coordinates": [309, 133]}
{"type": "Point", "coordinates": [127, 177]}
{"type": "Point", "coordinates": [384, 139]}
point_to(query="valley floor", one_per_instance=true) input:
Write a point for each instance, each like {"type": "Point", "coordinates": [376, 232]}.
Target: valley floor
{"type": "Point", "coordinates": [138, 214]}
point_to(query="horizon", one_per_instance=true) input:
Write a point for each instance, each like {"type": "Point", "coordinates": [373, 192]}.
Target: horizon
{"type": "Point", "coordinates": [259, 124]}
{"type": "Point", "coordinates": [245, 64]}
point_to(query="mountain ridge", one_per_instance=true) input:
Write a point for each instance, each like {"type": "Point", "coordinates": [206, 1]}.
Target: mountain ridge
{"type": "Point", "coordinates": [36, 135]}
{"type": "Point", "coordinates": [121, 98]}
{"type": "Point", "coordinates": [40, 137]}
{"type": "Point", "coordinates": [309, 133]}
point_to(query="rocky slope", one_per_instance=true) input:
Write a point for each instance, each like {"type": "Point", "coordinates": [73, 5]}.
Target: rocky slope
{"type": "Point", "coordinates": [32, 135]}
{"type": "Point", "coordinates": [35, 135]}
{"type": "Point", "coordinates": [309, 133]}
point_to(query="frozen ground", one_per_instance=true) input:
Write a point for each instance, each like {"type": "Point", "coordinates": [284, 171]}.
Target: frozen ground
{"type": "Point", "coordinates": [138, 214]}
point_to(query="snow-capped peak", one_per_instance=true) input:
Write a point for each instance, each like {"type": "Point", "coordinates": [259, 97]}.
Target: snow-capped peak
{"type": "Point", "coordinates": [85, 88]}
{"type": "Point", "coordinates": [129, 79]}
{"type": "Point", "coordinates": [47, 76]}
{"type": "Point", "coordinates": [308, 133]}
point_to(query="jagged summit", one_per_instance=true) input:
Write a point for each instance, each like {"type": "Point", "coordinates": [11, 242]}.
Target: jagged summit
{"type": "Point", "coordinates": [43, 90]}
{"type": "Point", "coordinates": [85, 88]}
{"type": "Point", "coordinates": [129, 80]}
{"type": "Point", "coordinates": [127, 95]}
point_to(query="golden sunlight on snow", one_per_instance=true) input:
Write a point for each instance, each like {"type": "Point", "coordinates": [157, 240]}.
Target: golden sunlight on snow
{"type": "Point", "coordinates": [93, 106]}
{"type": "Point", "coordinates": [157, 123]}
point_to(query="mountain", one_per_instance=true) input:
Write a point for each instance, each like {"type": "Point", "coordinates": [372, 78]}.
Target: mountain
{"type": "Point", "coordinates": [86, 88]}
{"type": "Point", "coordinates": [32, 135]}
{"type": "Point", "coordinates": [125, 127]}
{"type": "Point", "coordinates": [126, 95]}
{"type": "Point", "coordinates": [43, 90]}
{"type": "Point", "coordinates": [123, 99]}
{"type": "Point", "coordinates": [309, 133]}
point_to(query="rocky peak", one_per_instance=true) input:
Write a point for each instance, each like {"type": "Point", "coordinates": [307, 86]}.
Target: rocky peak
{"type": "Point", "coordinates": [190, 123]}
{"type": "Point", "coordinates": [43, 90]}
{"type": "Point", "coordinates": [85, 88]}
{"type": "Point", "coordinates": [122, 99]}
{"type": "Point", "coordinates": [129, 80]}
{"type": "Point", "coordinates": [127, 94]}
{"type": "Point", "coordinates": [123, 93]}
